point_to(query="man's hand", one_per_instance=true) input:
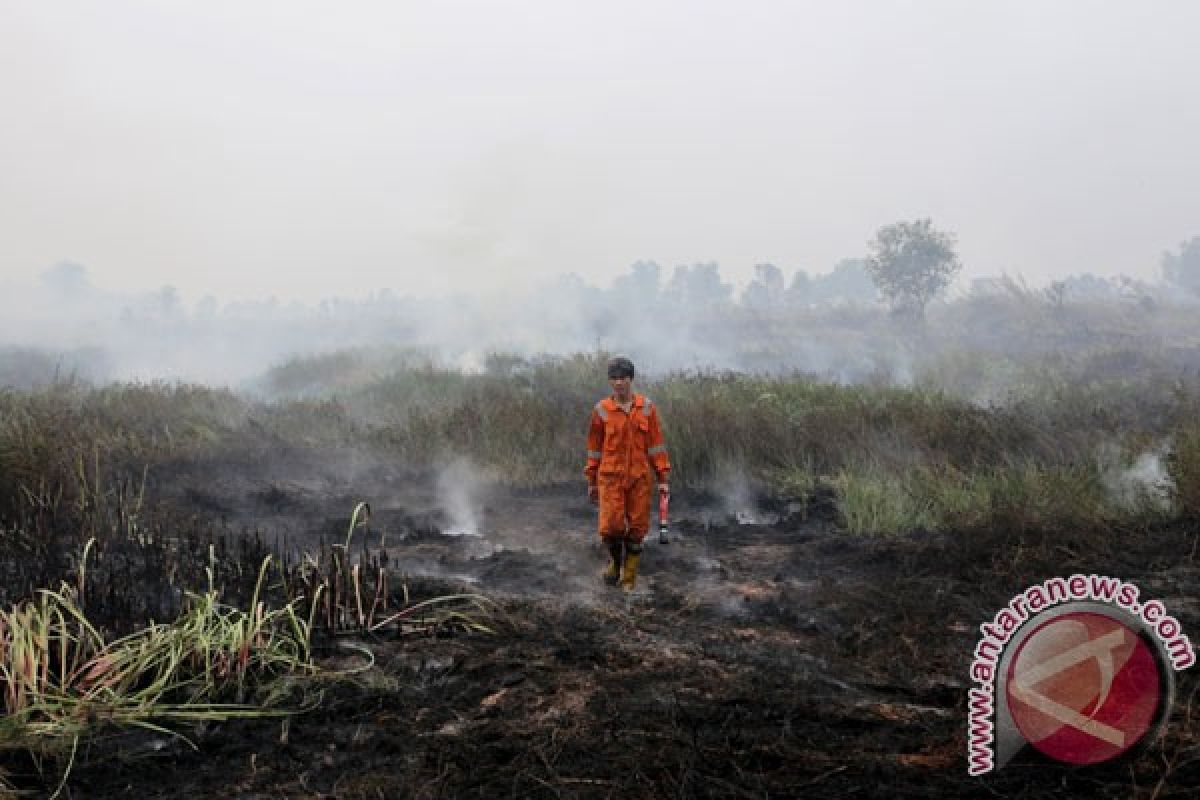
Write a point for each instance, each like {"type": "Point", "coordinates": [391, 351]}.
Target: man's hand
{"type": "Point", "coordinates": [664, 488]}
{"type": "Point", "coordinates": [593, 494]}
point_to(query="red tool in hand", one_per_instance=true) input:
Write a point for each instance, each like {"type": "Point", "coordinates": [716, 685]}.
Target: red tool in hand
{"type": "Point", "coordinates": [664, 499]}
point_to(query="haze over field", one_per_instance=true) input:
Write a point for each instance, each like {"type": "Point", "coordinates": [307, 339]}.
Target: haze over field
{"type": "Point", "coordinates": [305, 307]}
{"type": "Point", "coordinates": [301, 151]}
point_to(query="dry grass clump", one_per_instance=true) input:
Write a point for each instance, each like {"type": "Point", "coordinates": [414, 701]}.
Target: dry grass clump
{"type": "Point", "coordinates": [341, 594]}
{"type": "Point", "coordinates": [63, 680]}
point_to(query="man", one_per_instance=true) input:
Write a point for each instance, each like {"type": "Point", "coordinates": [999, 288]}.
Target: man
{"type": "Point", "coordinates": [626, 453]}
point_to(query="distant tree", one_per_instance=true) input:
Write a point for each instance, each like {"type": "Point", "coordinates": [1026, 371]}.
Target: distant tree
{"type": "Point", "coordinates": [849, 281]}
{"type": "Point", "coordinates": [1183, 269]}
{"type": "Point", "coordinates": [1089, 287]}
{"type": "Point", "coordinates": [207, 307]}
{"type": "Point", "coordinates": [640, 287]}
{"type": "Point", "coordinates": [167, 301]}
{"type": "Point", "coordinates": [1056, 294]}
{"type": "Point", "coordinates": [766, 290]}
{"type": "Point", "coordinates": [799, 290]}
{"type": "Point", "coordinates": [698, 287]}
{"type": "Point", "coordinates": [910, 263]}
{"type": "Point", "coordinates": [67, 279]}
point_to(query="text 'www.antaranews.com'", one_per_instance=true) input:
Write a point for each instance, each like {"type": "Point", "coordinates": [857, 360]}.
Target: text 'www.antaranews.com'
{"type": "Point", "coordinates": [1076, 715]}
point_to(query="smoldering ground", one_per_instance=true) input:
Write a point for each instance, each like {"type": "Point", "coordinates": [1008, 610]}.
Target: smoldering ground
{"type": "Point", "coordinates": [756, 659]}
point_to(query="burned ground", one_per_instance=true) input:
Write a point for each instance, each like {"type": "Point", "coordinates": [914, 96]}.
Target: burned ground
{"type": "Point", "coordinates": [777, 658]}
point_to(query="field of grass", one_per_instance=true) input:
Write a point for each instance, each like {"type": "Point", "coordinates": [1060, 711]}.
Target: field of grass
{"type": "Point", "coordinates": [1065, 446]}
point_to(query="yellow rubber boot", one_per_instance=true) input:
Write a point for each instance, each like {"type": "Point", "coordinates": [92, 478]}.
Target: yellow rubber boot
{"type": "Point", "coordinates": [612, 573]}
{"type": "Point", "coordinates": [629, 571]}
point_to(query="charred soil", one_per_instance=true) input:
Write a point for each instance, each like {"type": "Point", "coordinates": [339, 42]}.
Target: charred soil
{"type": "Point", "coordinates": [767, 657]}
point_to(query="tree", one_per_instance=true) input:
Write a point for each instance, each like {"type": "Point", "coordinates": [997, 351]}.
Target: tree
{"type": "Point", "coordinates": [698, 287]}
{"type": "Point", "coordinates": [910, 263]}
{"type": "Point", "coordinates": [67, 279]}
{"type": "Point", "coordinates": [848, 282]}
{"type": "Point", "coordinates": [1183, 270]}
{"type": "Point", "coordinates": [167, 300]}
{"type": "Point", "coordinates": [799, 290]}
{"type": "Point", "coordinates": [640, 288]}
{"type": "Point", "coordinates": [766, 290]}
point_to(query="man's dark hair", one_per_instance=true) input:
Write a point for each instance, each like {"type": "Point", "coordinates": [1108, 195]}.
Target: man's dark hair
{"type": "Point", "coordinates": [620, 368]}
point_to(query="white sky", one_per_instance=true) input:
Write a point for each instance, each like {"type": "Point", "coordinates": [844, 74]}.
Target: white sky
{"type": "Point", "coordinates": [310, 148]}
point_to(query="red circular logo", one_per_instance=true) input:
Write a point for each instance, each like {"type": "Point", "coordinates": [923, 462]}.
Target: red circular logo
{"type": "Point", "coordinates": [1084, 688]}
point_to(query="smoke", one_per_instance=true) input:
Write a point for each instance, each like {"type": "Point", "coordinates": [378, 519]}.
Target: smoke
{"type": "Point", "coordinates": [1144, 484]}
{"type": "Point", "coordinates": [739, 497]}
{"type": "Point", "coordinates": [459, 486]}
{"type": "Point", "coordinates": [978, 346]}
{"type": "Point", "coordinates": [160, 335]}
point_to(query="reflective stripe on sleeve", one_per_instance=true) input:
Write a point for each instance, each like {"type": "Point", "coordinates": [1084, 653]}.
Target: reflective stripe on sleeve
{"type": "Point", "coordinates": [594, 454]}
{"type": "Point", "coordinates": [649, 404]}
{"type": "Point", "coordinates": [658, 448]}
{"type": "Point", "coordinates": [601, 411]}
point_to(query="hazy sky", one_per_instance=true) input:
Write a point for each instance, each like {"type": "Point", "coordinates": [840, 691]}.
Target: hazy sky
{"type": "Point", "coordinates": [302, 149]}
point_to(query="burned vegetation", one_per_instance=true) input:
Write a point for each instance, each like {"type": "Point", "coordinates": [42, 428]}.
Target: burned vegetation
{"type": "Point", "coordinates": [377, 595]}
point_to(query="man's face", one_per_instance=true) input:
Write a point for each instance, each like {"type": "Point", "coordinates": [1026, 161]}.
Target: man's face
{"type": "Point", "coordinates": [621, 386]}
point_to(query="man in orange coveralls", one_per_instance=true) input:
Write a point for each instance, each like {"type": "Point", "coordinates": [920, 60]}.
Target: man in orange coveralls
{"type": "Point", "coordinates": [625, 446]}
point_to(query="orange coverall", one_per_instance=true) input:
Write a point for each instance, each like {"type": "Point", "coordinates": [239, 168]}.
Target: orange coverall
{"type": "Point", "coordinates": [623, 449]}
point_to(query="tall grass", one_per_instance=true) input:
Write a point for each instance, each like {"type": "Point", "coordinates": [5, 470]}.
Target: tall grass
{"type": "Point", "coordinates": [1020, 495]}
{"type": "Point", "coordinates": [1184, 468]}
{"type": "Point", "coordinates": [523, 422]}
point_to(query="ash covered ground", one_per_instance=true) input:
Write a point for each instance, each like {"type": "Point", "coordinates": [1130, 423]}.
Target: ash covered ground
{"type": "Point", "coordinates": [765, 654]}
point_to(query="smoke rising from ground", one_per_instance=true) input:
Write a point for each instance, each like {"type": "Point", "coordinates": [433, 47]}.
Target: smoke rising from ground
{"type": "Point", "coordinates": [458, 489]}
{"type": "Point", "coordinates": [1145, 483]}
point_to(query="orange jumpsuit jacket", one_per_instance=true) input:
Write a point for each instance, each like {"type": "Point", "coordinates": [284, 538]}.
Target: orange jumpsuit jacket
{"type": "Point", "coordinates": [625, 447]}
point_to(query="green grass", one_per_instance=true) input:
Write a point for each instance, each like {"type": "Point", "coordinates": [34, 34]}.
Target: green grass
{"type": "Point", "coordinates": [1019, 496]}
{"type": "Point", "coordinates": [1183, 465]}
